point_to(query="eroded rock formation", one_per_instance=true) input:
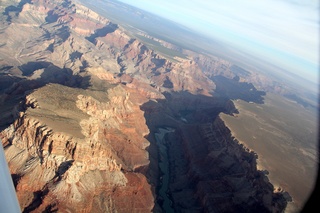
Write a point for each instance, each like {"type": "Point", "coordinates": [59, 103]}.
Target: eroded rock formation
{"type": "Point", "coordinates": [70, 143]}
{"type": "Point", "coordinates": [81, 101]}
{"type": "Point", "coordinates": [209, 170]}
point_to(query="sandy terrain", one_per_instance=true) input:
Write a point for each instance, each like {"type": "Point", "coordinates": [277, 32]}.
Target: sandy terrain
{"type": "Point", "coordinates": [284, 135]}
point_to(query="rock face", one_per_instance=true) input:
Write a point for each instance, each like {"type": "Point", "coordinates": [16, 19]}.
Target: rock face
{"type": "Point", "coordinates": [81, 101]}
{"type": "Point", "coordinates": [209, 170]}
{"type": "Point", "coordinates": [226, 180]}
{"type": "Point", "coordinates": [66, 147]}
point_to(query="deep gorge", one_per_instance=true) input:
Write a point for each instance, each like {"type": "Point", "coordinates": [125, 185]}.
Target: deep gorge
{"type": "Point", "coordinates": [209, 170]}
{"type": "Point", "coordinates": [83, 102]}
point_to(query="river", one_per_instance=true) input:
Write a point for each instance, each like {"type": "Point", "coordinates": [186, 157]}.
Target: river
{"type": "Point", "coordinates": [164, 167]}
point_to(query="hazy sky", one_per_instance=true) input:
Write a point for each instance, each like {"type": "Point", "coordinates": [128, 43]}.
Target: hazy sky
{"type": "Point", "coordinates": [285, 32]}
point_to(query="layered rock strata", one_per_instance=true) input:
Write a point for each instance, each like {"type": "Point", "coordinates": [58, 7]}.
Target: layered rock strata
{"type": "Point", "coordinates": [64, 148]}
{"type": "Point", "coordinates": [80, 103]}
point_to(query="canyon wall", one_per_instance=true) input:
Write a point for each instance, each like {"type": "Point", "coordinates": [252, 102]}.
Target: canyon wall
{"type": "Point", "coordinates": [209, 170]}
{"type": "Point", "coordinates": [71, 152]}
{"type": "Point", "coordinates": [81, 101]}
{"type": "Point", "coordinates": [221, 173]}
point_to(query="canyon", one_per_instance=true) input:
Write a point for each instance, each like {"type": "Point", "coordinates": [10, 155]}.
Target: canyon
{"type": "Point", "coordinates": [93, 118]}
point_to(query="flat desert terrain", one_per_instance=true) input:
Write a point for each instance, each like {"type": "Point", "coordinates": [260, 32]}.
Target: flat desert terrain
{"type": "Point", "coordinates": [285, 136]}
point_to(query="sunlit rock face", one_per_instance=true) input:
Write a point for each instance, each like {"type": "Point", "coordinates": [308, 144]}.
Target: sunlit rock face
{"type": "Point", "coordinates": [72, 146]}
{"type": "Point", "coordinates": [81, 99]}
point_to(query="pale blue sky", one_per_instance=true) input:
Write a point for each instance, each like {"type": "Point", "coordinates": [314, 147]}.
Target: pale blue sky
{"type": "Point", "coordinates": [286, 32]}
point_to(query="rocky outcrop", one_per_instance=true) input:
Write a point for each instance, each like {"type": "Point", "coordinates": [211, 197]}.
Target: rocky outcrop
{"type": "Point", "coordinates": [50, 158]}
{"type": "Point", "coordinates": [81, 102]}
{"type": "Point", "coordinates": [72, 36]}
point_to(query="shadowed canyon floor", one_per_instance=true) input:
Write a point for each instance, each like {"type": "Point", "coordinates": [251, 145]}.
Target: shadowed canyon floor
{"type": "Point", "coordinates": [208, 169]}
{"type": "Point", "coordinates": [97, 117]}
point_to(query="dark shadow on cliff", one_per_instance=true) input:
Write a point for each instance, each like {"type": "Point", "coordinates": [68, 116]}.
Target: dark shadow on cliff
{"type": "Point", "coordinates": [187, 108]}
{"type": "Point", "coordinates": [29, 68]}
{"type": "Point", "coordinates": [15, 9]}
{"type": "Point", "coordinates": [63, 168]}
{"type": "Point", "coordinates": [51, 17]}
{"type": "Point", "coordinates": [59, 35]}
{"type": "Point", "coordinates": [15, 178]}
{"type": "Point", "coordinates": [202, 153]}
{"type": "Point", "coordinates": [177, 110]}
{"type": "Point", "coordinates": [37, 200]}
{"type": "Point", "coordinates": [234, 89]}
{"type": "Point", "coordinates": [15, 89]}
{"type": "Point", "coordinates": [110, 28]}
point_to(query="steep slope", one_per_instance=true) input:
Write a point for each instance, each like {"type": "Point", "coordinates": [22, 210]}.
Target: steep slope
{"type": "Point", "coordinates": [73, 145]}
{"type": "Point", "coordinates": [209, 171]}
{"type": "Point", "coordinates": [81, 101]}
